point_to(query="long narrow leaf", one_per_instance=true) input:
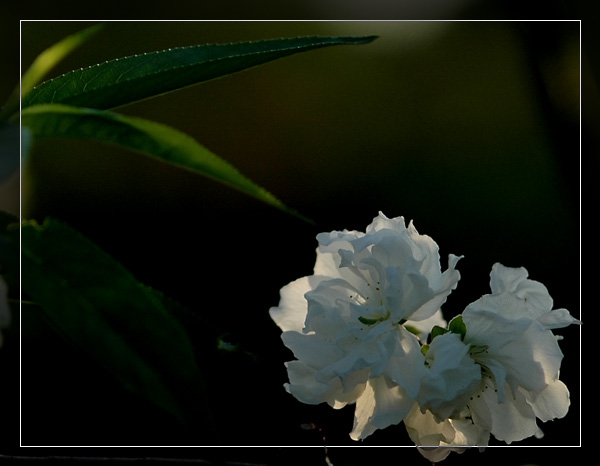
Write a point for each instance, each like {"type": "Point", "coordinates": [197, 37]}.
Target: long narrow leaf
{"type": "Point", "coordinates": [147, 137]}
{"type": "Point", "coordinates": [130, 79]}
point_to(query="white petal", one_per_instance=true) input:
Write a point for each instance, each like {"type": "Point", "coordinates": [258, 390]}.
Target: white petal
{"type": "Point", "coordinates": [306, 387]}
{"type": "Point", "coordinates": [382, 222]}
{"type": "Point", "coordinates": [506, 278]}
{"type": "Point", "coordinates": [535, 301]}
{"type": "Point", "coordinates": [425, 430]}
{"type": "Point", "coordinates": [311, 349]}
{"type": "Point", "coordinates": [528, 352]}
{"type": "Point", "coordinates": [552, 403]}
{"type": "Point", "coordinates": [407, 364]}
{"type": "Point", "coordinates": [436, 440]}
{"type": "Point", "coordinates": [382, 404]}
{"type": "Point", "coordinates": [452, 376]}
{"type": "Point", "coordinates": [557, 318]}
{"type": "Point", "coordinates": [292, 309]}
{"type": "Point", "coordinates": [510, 421]}
{"type": "Point", "coordinates": [365, 406]}
{"type": "Point", "coordinates": [328, 307]}
{"type": "Point", "coordinates": [446, 283]}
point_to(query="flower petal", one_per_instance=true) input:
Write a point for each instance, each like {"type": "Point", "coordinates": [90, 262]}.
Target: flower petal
{"type": "Point", "coordinates": [292, 309]}
{"type": "Point", "coordinates": [534, 296]}
{"type": "Point", "coordinates": [557, 318]}
{"type": "Point", "coordinates": [528, 352]}
{"type": "Point", "coordinates": [551, 403]}
{"type": "Point", "coordinates": [381, 404]}
{"type": "Point", "coordinates": [510, 421]}
{"type": "Point", "coordinates": [452, 376]}
{"type": "Point", "coordinates": [311, 349]}
{"type": "Point", "coordinates": [306, 387]}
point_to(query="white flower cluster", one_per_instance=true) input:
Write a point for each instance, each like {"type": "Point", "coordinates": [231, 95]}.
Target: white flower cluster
{"type": "Point", "coordinates": [367, 328]}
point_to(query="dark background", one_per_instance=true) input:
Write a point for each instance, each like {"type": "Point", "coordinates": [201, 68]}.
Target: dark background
{"type": "Point", "coordinates": [471, 129]}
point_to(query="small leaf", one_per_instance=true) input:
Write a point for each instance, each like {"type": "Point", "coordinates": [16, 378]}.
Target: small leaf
{"type": "Point", "coordinates": [130, 79]}
{"type": "Point", "coordinates": [457, 325]}
{"type": "Point", "coordinates": [437, 331]}
{"type": "Point", "coordinates": [149, 138]}
{"type": "Point", "coordinates": [102, 309]}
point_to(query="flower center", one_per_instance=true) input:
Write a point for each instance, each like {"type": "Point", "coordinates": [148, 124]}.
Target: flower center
{"type": "Point", "coordinates": [371, 303]}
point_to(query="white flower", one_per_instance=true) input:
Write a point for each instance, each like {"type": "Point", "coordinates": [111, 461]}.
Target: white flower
{"type": "Point", "coordinates": [507, 334]}
{"type": "Point", "coordinates": [347, 323]}
{"type": "Point", "coordinates": [519, 355]}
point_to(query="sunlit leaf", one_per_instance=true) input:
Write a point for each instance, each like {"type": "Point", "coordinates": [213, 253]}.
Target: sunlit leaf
{"type": "Point", "coordinates": [46, 60]}
{"type": "Point", "coordinates": [43, 63]}
{"type": "Point", "coordinates": [147, 137]}
{"type": "Point", "coordinates": [130, 79]}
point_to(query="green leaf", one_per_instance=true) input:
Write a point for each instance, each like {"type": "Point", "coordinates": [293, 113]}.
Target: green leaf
{"type": "Point", "coordinates": [51, 56]}
{"type": "Point", "coordinates": [43, 63]}
{"type": "Point", "coordinates": [457, 325]}
{"type": "Point", "coordinates": [437, 331]}
{"type": "Point", "coordinates": [147, 137]}
{"type": "Point", "coordinates": [130, 79]}
{"type": "Point", "coordinates": [103, 310]}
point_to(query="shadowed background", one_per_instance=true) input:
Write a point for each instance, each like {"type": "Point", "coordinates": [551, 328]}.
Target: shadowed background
{"type": "Point", "coordinates": [470, 129]}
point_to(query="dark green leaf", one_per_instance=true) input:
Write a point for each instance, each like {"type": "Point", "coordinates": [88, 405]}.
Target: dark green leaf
{"type": "Point", "coordinates": [147, 137]}
{"type": "Point", "coordinates": [130, 79]}
{"type": "Point", "coordinates": [101, 308]}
